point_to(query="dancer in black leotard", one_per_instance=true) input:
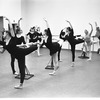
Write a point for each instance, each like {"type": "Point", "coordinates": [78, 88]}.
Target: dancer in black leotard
{"type": "Point", "coordinates": [69, 36]}
{"type": "Point", "coordinates": [19, 40]}
{"type": "Point", "coordinates": [33, 37]}
{"type": "Point", "coordinates": [97, 32]}
{"type": "Point", "coordinates": [52, 46]}
{"type": "Point", "coordinates": [98, 35]}
{"type": "Point", "coordinates": [62, 33]}
{"type": "Point", "coordinates": [18, 52]}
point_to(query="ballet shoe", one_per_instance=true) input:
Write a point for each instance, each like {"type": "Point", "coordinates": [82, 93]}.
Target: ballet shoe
{"type": "Point", "coordinates": [40, 55]}
{"type": "Point", "coordinates": [89, 59]}
{"type": "Point", "coordinates": [53, 73]}
{"type": "Point", "coordinates": [57, 68]}
{"type": "Point", "coordinates": [60, 60]}
{"type": "Point", "coordinates": [72, 65]}
{"type": "Point", "coordinates": [18, 86]}
{"type": "Point", "coordinates": [15, 73]}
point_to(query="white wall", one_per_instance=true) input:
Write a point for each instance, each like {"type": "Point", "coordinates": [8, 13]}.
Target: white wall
{"type": "Point", "coordinates": [24, 13]}
{"type": "Point", "coordinates": [78, 12]}
{"type": "Point", "coordinates": [10, 9]}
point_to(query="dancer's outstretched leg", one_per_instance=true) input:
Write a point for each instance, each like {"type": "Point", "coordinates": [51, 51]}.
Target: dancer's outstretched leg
{"type": "Point", "coordinates": [25, 51]}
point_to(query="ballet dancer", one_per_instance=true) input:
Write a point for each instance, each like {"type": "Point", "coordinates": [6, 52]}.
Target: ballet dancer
{"type": "Point", "coordinates": [61, 41]}
{"type": "Point", "coordinates": [39, 39]}
{"type": "Point", "coordinates": [73, 40]}
{"type": "Point", "coordinates": [52, 46]}
{"type": "Point", "coordinates": [17, 51]}
{"type": "Point", "coordinates": [33, 37]}
{"type": "Point", "coordinates": [88, 41]}
{"type": "Point", "coordinates": [19, 40]}
{"type": "Point", "coordinates": [97, 31]}
{"type": "Point", "coordinates": [30, 35]}
{"type": "Point", "coordinates": [97, 34]}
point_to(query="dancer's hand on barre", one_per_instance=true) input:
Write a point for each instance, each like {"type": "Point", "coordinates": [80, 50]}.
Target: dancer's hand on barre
{"type": "Point", "coordinates": [22, 45]}
{"type": "Point", "coordinates": [78, 35]}
{"type": "Point", "coordinates": [1, 49]}
{"type": "Point", "coordinates": [83, 36]}
{"type": "Point", "coordinates": [1, 46]}
{"type": "Point", "coordinates": [26, 45]}
{"type": "Point", "coordinates": [31, 43]}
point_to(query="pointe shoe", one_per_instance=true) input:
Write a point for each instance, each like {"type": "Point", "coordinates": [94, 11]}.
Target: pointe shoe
{"type": "Point", "coordinates": [18, 86]}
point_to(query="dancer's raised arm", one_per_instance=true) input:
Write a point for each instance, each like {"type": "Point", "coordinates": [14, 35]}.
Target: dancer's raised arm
{"type": "Point", "coordinates": [19, 22]}
{"type": "Point", "coordinates": [91, 29]}
{"type": "Point", "coordinates": [69, 24]}
{"type": "Point", "coordinates": [46, 22]}
{"type": "Point", "coordinates": [11, 28]}
{"type": "Point", "coordinates": [96, 24]}
{"type": "Point", "coordinates": [48, 32]}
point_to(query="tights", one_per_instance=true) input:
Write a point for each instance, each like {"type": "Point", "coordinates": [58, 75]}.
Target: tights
{"type": "Point", "coordinates": [19, 54]}
{"type": "Point", "coordinates": [52, 46]}
{"type": "Point", "coordinates": [73, 42]}
{"type": "Point", "coordinates": [18, 42]}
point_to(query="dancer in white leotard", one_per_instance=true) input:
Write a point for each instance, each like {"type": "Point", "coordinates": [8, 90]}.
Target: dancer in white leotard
{"type": "Point", "coordinates": [88, 41]}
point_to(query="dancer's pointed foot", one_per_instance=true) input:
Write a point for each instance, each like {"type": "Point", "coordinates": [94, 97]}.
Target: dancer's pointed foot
{"type": "Point", "coordinates": [72, 64]}
{"type": "Point", "coordinates": [20, 86]}
{"type": "Point", "coordinates": [53, 73]}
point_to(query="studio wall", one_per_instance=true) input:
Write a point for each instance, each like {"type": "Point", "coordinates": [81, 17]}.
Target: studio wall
{"type": "Point", "coordinates": [11, 9]}
{"type": "Point", "coordinates": [78, 12]}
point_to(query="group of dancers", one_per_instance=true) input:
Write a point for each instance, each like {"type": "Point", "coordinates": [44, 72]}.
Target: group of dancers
{"type": "Point", "coordinates": [18, 48]}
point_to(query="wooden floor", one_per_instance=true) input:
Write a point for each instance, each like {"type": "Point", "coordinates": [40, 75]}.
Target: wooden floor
{"type": "Point", "coordinates": [83, 80]}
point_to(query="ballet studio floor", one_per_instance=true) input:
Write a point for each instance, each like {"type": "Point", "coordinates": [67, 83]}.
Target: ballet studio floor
{"type": "Point", "coordinates": [83, 80]}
